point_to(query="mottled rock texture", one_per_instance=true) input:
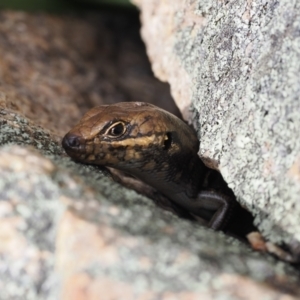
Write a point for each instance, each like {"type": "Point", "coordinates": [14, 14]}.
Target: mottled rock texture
{"type": "Point", "coordinates": [69, 231]}
{"type": "Point", "coordinates": [55, 68]}
{"type": "Point", "coordinates": [235, 65]}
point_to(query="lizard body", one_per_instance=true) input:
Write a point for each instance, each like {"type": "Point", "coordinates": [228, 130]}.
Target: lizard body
{"type": "Point", "coordinates": [158, 148]}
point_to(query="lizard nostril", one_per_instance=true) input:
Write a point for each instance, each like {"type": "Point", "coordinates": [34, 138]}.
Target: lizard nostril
{"type": "Point", "coordinates": [71, 141]}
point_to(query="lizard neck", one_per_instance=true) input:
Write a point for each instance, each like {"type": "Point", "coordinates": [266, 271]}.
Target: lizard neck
{"type": "Point", "coordinates": [178, 176]}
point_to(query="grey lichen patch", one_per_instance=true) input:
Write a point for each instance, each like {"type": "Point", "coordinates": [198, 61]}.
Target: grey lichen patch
{"type": "Point", "coordinates": [29, 213]}
{"type": "Point", "coordinates": [16, 129]}
{"type": "Point", "coordinates": [245, 66]}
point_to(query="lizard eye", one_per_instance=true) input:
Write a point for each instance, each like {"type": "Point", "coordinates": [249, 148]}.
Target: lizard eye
{"type": "Point", "coordinates": [116, 130]}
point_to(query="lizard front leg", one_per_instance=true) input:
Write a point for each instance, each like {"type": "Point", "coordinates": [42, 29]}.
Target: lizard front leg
{"type": "Point", "coordinates": [214, 205]}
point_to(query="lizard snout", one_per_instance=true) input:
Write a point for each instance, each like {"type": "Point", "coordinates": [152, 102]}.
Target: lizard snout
{"type": "Point", "coordinates": [72, 142]}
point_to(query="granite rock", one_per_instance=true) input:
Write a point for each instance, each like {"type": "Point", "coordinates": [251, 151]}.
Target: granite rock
{"type": "Point", "coordinates": [233, 69]}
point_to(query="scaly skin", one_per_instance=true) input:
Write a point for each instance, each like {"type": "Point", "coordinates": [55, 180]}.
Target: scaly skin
{"type": "Point", "coordinates": [158, 148]}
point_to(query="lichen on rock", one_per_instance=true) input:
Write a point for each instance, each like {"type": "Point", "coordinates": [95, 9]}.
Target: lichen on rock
{"type": "Point", "coordinates": [239, 60]}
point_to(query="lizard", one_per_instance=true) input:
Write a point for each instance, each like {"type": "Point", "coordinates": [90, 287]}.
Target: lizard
{"type": "Point", "coordinates": [158, 148]}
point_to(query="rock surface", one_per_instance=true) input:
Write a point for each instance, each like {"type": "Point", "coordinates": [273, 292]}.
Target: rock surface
{"type": "Point", "coordinates": [54, 68]}
{"type": "Point", "coordinates": [67, 230]}
{"type": "Point", "coordinates": [236, 63]}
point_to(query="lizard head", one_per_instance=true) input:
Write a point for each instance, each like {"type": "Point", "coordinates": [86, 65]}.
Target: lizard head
{"type": "Point", "coordinates": [128, 135]}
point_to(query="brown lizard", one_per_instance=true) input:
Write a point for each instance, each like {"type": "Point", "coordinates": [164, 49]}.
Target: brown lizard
{"type": "Point", "coordinates": [161, 150]}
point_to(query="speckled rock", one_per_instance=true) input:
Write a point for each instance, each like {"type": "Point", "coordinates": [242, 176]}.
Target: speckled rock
{"type": "Point", "coordinates": [29, 213]}
{"type": "Point", "coordinates": [235, 65]}
{"type": "Point", "coordinates": [69, 231]}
